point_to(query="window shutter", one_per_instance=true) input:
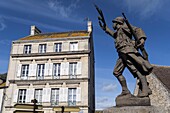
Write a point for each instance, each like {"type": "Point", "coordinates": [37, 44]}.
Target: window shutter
{"type": "Point", "coordinates": [31, 94]}
{"type": "Point", "coordinates": [62, 68]}
{"type": "Point", "coordinates": [71, 47]}
{"type": "Point", "coordinates": [46, 94]}
{"type": "Point", "coordinates": [65, 95]}
{"type": "Point", "coordinates": [34, 69]}
{"type": "Point", "coordinates": [15, 96]}
{"type": "Point", "coordinates": [66, 68]}
{"type": "Point", "coordinates": [46, 69]}
{"type": "Point", "coordinates": [78, 94]}
{"type": "Point", "coordinates": [50, 72]}
{"type": "Point", "coordinates": [30, 70]}
{"type": "Point", "coordinates": [76, 47]}
{"type": "Point", "coordinates": [61, 93]}
{"type": "Point", "coordinates": [27, 95]}
{"type": "Point", "coordinates": [19, 70]}
{"type": "Point", "coordinates": [79, 65]}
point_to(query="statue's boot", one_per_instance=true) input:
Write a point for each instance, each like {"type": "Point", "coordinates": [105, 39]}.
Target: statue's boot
{"type": "Point", "coordinates": [146, 91]}
{"type": "Point", "coordinates": [122, 81]}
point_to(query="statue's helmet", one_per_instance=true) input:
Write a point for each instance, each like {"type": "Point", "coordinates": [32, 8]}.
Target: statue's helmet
{"type": "Point", "coordinates": [118, 20]}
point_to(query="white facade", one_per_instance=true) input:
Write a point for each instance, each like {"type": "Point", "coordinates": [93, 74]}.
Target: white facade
{"type": "Point", "coordinates": [56, 71]}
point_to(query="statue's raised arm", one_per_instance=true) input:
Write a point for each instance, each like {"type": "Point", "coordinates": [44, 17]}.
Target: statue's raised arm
{"type": "Point", "coordinates": [102, 22]}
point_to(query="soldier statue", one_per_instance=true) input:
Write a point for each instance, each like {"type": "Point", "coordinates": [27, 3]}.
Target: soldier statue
{"type": "Point", "coordinates": [128, 52]}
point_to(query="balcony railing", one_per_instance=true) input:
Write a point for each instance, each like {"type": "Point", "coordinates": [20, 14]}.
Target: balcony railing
{"type": "Point", "coordinates": [40, 77]}
{"type": "Point", "coordinates": [54, 103]}
{"type": "Point", "coordinates": [24, 77]}
{"type": "Point", "coordinates": [72, 76]}
{"type": "Point", "coordinates": [71, 103]}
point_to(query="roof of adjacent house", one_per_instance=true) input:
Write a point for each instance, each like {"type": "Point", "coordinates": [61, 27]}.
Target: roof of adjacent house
{"type": "Point", "coordinates": [163, 74]}
{"type": "Point", "coordinates": [56, 35]}
{"type": "Point", "coordinates": [3, 80]}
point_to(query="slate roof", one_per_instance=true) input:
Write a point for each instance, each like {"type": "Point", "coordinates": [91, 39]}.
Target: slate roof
{"type": "Point", "coordinates": [3, 80]}
{"type": "Point", "coordinates": [56, 35]}
{"type": "Point", "coordinates": [163, 74]}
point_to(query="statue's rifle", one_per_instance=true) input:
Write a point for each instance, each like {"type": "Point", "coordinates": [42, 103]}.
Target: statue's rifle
{"type": "Point", "coordinates": [100, 17]}
{"type": "Point", "coordinates": [144, 53]}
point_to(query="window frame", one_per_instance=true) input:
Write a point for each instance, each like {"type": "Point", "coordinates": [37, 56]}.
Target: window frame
{"type": "Point", "coordinates": [58, 47]}
{"type": "Point", "coordinates": [54, 97]}
{"type": "Point", "coordinates": [27, 49]}
{"type": "Point", "coordinates": [39, 95]}
{"type": "Point", "coordinates": [42, 48]}
{"type": "Point", "coordinates": [73, 46]}
{"type": "Point", "coordinates": [25, 69]}
{"type": "Point", "coordinates": [72, 96]}
{"type": "Point", "coordinates": [73, 69]}
{"type": "Point", "coordinates": [22, 93]}
{"type": "Point", "coordinates": [40, 71]}
{"type": "Point", "coordinates": [56, 70]}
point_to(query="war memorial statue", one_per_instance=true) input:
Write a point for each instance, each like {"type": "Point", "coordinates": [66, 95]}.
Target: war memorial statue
{"type": "Point", "coordinates": [129, 41]}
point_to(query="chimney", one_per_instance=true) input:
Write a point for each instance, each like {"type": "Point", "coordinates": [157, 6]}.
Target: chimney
{"type": "Point", "coordinates": [89, 26]}
{"type": "Point", "coordinates": [34, 30]}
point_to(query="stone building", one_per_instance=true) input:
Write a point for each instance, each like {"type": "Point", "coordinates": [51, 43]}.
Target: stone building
{"type": "Point", "coordinates": [2, 89]}
{"type": "Point", "coordinates": [160, 86]}
{"type": "Point", "coordinates": [57, 69]}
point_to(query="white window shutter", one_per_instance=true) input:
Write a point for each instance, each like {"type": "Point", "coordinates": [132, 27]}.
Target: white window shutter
{"type": "Point", "coordinates": [46, 69]}
{"type": "Point", "coordinates": [50, 72]}
{"type": "Point", "coordinates": [78, 94]}
{"type": "Point", "coordinates": [76, 47]}
{"type": "Point", "coordinates": [65, 95]}
{"type": "Point", "coordinates": [19, 70]}
{"type": "Point", "coordinates": [61, 93]}
{"type": "Point", "coordinates": [31, 94]}
{"type": "Point", "coordinates": [71, 47]}
{"type": "Point", "coordinates": [34, 69]}
{"type": "Point", "coordinates": [46, 94]}
{"type": "Point", "coordinates": [30, 70]}
{"type": "Point", "coordinates": [79, 68]}
{"type": "Point", "coordinates": [62, 68]}
{"type": "Point", "coordinates": [15, 96]}
{"type": "Point", "coordinates": [66, 68]}
{"type": "Point", "coordinates": [27, 95]}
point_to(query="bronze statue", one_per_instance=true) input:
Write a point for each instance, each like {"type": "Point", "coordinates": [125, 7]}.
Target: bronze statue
{"type": "Point", "coordinates": [128, 51]}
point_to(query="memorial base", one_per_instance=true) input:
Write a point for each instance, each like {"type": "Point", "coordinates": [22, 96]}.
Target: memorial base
{"type": "Point", "coordinates": [130, 100]}
{"type": "Point", "coordinates": [135, 109]}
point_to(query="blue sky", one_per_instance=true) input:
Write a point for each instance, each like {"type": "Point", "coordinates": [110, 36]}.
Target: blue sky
{"type": "Point", "coordinates": [16, 17]}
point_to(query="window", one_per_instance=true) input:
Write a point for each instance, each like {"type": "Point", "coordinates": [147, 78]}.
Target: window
{"type": "Point", "coordinates": [42, 48]}
{"type": "Point", "coordinates": [22, 96]}
{"type": "Point", "coordinates": [72, 96]}
{"type": "Point", "coordinates": [40, 71]}
{"type": "Point", "coordinates": [56, 70]}
{"type": "Point", "coordinates": [73, 46]}
{"type": "Point", "coordinates": [72, 69]}
{"type": "Point", "coordinates": [54, 97]}
{"type": "Point", "coordinates": [24, 71]}
{"type": "Point", "coordinates": [38, 95]}
{"type": "Point", "coordinates": [27, 49]}
{"type": "Point", "coordinates": [58, 47]}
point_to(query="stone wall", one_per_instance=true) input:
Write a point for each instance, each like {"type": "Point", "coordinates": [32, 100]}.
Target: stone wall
{"type": "Point", "coordinates": [160, 95]}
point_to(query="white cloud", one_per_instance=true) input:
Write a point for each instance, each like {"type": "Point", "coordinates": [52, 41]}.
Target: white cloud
{"type": "Point", "coordinates": [61, 9]}
{"type": "Point", "coordinates": [109, 87]}
{"type": "Point", "coordinates": [5, 42]}
{"type": "Point", "coordinates": [104, 102]}
{"type": "Point", "coordinates": [144, 8]}
{"type": "Point", "coordinates": [2, 23]}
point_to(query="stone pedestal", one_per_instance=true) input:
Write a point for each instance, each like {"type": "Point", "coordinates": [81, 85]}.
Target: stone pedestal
{"type": "Point", "coordinates": [130, 100]}
{"type": "Point", "coordinates": [135, 109]}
